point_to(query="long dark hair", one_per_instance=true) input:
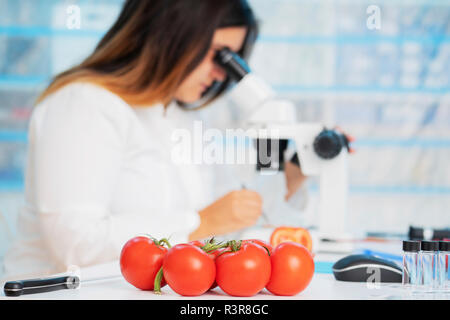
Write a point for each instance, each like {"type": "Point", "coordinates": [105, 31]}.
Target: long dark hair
{"type": "Point", "coordinates": [155, 44]}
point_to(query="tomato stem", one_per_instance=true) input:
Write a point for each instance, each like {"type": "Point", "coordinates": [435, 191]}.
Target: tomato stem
{"type": "Point", "coordinates": [267, 249]}
{"type": "Point", "coordinates": [165, 241]}
{"type": "Point", "coordinates": [223, 252]}
{"type": "Point", "coordinates": [212, 245]}
{"type": "Point", "coordinates": [235, 245]}
{"type": "Point", "coordinates": [157, 283]}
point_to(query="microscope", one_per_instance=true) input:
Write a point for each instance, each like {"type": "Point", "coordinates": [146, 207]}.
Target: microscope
{"type": "Point", "coordinates": [319, 151]}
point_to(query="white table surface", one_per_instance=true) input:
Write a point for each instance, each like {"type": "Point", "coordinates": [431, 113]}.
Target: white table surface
{"type": "Point", "coordinates": [322, 287]}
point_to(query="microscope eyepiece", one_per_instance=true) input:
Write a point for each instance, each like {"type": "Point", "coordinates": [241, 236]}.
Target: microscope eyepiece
{"type": "Point", "coordinates": [232, 63]}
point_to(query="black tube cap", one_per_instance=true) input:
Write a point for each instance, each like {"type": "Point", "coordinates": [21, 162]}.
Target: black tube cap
{"type": "Point", "coordinates": [415, 233]}
{"type": "Point", "coordinates": [444, 245]}
{"type": "Point", "coordinates": [411, 246]}
{"type": "Point", "coordinates": [429, 245]}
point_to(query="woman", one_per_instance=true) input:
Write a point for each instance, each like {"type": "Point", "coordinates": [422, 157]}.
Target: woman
{"type": "Point", "coordinates": [99, 170]}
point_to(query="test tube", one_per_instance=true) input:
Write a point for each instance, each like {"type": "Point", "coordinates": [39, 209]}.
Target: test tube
{"type": "Point", "coordinates": [410, 261]}
{"type": "Point", "coordinates": [428, 264]}
{"type": "Point", "coordinates": [444, 253]}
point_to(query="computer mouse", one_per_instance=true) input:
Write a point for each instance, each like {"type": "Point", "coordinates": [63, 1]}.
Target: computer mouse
{"type": "Point", "coordinates": [366, 268]}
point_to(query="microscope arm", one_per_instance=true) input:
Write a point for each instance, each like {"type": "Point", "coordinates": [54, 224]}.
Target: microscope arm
{"type": "Point", "coordinates": [321, 152]}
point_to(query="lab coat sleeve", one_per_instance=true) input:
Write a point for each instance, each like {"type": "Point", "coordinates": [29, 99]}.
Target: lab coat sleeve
{"type": "Point", "coordinates": [79, 147]}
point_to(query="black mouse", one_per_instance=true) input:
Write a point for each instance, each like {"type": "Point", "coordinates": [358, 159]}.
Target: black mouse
{"type": "Point", "coordinates": [366, 268]}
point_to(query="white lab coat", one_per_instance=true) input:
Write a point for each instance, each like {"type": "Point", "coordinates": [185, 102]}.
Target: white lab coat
{"type": "Point", "coordinates": [100, 172]}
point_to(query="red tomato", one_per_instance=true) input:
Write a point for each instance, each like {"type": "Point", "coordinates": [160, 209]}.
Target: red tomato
{"type": "Point", "coordinates": [197, 243]}
{"type": "Point", "coordinates": [244, 272]}
{"type": "Point", "coordinates": [299, 235]}
{"type": "Point", "coordinates": [262, 243]}
{"type": "Point", "coordinates": [292, 269]}
{"type": "Point", "coordinates": [188, 270]}
{"type": "Point", "coordinates": [140, 261]}
{"type": "Point", "coordinates": [212, 255]}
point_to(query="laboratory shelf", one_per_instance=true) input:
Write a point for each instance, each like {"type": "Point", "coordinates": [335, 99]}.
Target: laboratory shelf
{"type": "Point", "coordinates": [13, 136]}
{"type": "Point", "coordinates": [45, 31]}
{"type": "Point", "coordinates": [22, 136]}
{"type": "Point", "coordinates": [392, 190]}
{"type": "Point", "coordinates": [40, 81]}
{"type": "Point", "coordinates": [416, 190]}
{"type": "Point", "coordinates": [355, 39]}
{"type": "Point", "coordinates": [27, 80]}
{"type": "Point", "coordinates": [402, 143]}
{"type": "Point", "coordinates": [375, 190]}
{"type": "Point", "coordinates": [12, 186]}
{"type": "Point", "coordinates": [361, 89]}
{"type": "Point", "coordinates": [363, 39]}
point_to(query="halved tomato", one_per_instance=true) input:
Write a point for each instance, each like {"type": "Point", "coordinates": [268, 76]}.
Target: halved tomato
{"type": "Point", "coordinates": [299, 235]}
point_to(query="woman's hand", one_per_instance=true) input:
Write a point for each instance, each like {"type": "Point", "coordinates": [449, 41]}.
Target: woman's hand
{"type": "Point", "coordinates": [236, 210]}
{"type": "Point", "coordinates": [349, 137]}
